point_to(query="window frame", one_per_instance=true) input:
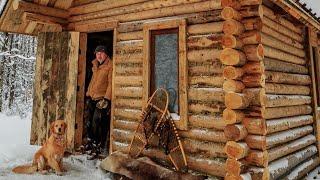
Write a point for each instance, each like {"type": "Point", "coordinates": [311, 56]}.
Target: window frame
{"type": "Point", "coordinates": [179, 24]}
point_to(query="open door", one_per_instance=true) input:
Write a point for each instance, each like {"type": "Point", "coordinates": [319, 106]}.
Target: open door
{"type": "Point", "coordinates": [55, 87]}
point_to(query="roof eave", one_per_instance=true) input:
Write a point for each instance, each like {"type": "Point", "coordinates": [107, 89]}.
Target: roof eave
{"type": "Point", "coordinates": [296, 11]}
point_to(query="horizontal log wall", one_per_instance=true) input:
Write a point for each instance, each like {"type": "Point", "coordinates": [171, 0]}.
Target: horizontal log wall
{"type": "Point", "coordinates": [204, 140]}
{"type": "Point", "coordinates": [280, 133]}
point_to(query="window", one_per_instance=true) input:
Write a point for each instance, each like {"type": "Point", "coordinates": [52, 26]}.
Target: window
{"type": "Point", "coordinates": [164, 65]}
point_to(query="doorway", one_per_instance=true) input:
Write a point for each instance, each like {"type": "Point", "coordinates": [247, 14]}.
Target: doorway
{"type": "Point", "coordinates": [93, 40]}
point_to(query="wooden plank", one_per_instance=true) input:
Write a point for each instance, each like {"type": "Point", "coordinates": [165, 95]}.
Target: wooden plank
{"type": "Point", "coordinates": [81, 89]}
{"type": "Point", "coordinates": [37, 99]}
{"type": "Point", "coordinates": [97, 27]}
{"type": "Point", "coordinates": [161, 12]}
{"type": "Point", "coordinates": [70, 111]}
{"type": "Point", "coordinates": [40, 9]}
{"type": "Point", "coordinates": [182, 124]}
{"type": "Point", "coordinates": [113, 96]}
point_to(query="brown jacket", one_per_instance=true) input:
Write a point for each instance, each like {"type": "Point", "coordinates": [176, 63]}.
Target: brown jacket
{"type": "Point", "coordinates": [101, 80]}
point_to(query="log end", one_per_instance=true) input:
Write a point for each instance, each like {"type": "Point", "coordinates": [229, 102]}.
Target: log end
{"type": "Point", "coordinates": [231, 116]}
{"type": "Point", "coordinates": [229, 41]}
{"type": "Point", "coordinates": [230, 56]}
{"type": "Point", "coordinates": [236, 101]}
{"type": "Point", "coordinates": [231, 26]}
{"type": "Point", "coordinates": [235, 132]}
{"type": "Point", "coordinates": [236, 150]}
{"type": "Point", "coordinates": [229, 13]}
{"type": "Point", "coordinates": [15, 4]}
{"type": "Point", "coordinates": [231, 72]}
{"type": "Point", "coordinates": [233, 86]}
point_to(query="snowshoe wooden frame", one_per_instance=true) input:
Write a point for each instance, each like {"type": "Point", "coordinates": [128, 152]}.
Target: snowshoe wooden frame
{"type": "Point", "coordinates": [164, 115]}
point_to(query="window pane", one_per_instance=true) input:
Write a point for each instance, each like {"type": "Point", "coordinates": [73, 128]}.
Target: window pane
{"type": "Point", "coordinates": [166, 67]}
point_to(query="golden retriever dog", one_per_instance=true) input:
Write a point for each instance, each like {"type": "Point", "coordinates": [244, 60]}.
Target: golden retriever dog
{"type": "Point", "coordinates": [50, 155]}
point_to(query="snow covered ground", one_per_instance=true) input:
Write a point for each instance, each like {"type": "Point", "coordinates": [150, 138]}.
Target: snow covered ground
{"type": "Point", "coordinates": [15, 150]}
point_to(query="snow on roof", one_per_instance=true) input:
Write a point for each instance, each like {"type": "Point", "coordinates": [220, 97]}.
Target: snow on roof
{"type": "Point", "coordinates": [2, 5]}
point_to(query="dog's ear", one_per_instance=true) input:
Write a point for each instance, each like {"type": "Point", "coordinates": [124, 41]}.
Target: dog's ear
{"type": "Point", "coordinates": [52, 128]}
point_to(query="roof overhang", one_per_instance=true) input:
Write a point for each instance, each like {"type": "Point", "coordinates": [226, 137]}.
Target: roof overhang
{"type": "Point", "coordinates": [298, 12]}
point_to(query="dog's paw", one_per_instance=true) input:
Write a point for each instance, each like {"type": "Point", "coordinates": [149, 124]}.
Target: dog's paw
{"type": "Point", "coordinates": [59, 173]}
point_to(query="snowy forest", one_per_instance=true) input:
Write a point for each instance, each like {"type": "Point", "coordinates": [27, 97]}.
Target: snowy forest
{"type": "Point", "coordinates": [17, 63]}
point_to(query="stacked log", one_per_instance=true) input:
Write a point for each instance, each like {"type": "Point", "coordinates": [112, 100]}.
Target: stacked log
{"type": "Point", "coordinates": [280, 133]}
{"type": "Point", "coordinates": [244, 81]}
{"type": "Point", "coordinates": [204, 140]}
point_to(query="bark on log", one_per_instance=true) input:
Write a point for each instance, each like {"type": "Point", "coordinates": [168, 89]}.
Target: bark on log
{"type": "Point", "coordinates": [278, 112]}
{"type": "Point", "coordinates": [206, 69]}
{"type": "Point", "coordinates": [232, 116]}
{"type": "Point", "coordinates": [204, 108]}
{"type": "Point", "coordinates": [206, 94]}
{"type": "Point", "coordinates": [303, 169]}
{"type": "Point", "coordinates": [263, 127]}
{"type": "Point", "coordinates": [230, 41]}
{"type": "Point", "coordinates": [272, 88]}
{"type": "Point", "coordinates": [129, 58]}
{"type": "Point", "coordinates": [267, 142]}
{"type": "Point", "coordinates": [293, 146]}
{"type": "Point", "coordinates": [282, 29]}
{"type": "Point", "coordinates": [252, 96]}
{"type": "Point", "coordinates": [125, 125]}
{"type": "Point", "coordinates": [251, 11]}
{"type": "Point", "coordinates": [233, 27]}
{"type": "Point", "coordinates": [283, 56]}
{"type": "Point", "coordinates": [287, 100]}
{"type": "Point", "coordinates": [286, 39]}
{"type": "Point", "coordinates": [236, 150]}
{"type": "Point", "coordinates": [24, 6]}
{"type": "Point", "coordinates": [203, 55]}
{"type": "Point", "coordinates": [128, 80]}
{"type": "Point", "coordinates": [135, 35]}
{"type": "Point", "coordinates": [128, 103]}
{"type": "Point", "coordinates": [236, 167]}
{"type": "Point", "coordinates": [205, 41]}
{"type": "Point", "coordinates": [235, 132]}
{"type": "Point", "coordinates": [208, 149]}
{"type": "Point", "coordinates": [193, 18]}
{"type": "Point", "coordinates": [291, 161]}
{"type": "Point", "coordinates": [233, 86]}
{"type": "Point", "coordinates": [230, 13]}
{"type": "Point", "coordinates": [252, 24]}
{"type": "Point", "coordinates": [286, 78]}
{"type": "Point", "coordinates": [207, 28]}
{"type": "Point", "coordinates": [231, 72]}
{"type": "Point", "coordinates": [254, 52]}
{"type": "Point", "coordinates": [254, 80]}
{"type": "Point", "coordinates": [257, 158]}
{"type": "Point", "coordinates": [270, 14]}
{"type": "Point", "coordinates": [259, 173]}
{"type": "Point", "coordinates": [129, 92]}
{"type": "Point", "coordinates": [281, 66]}
{"type": "Point", "coordinates": [206, 80]}
{"type": "Point", "coordinates": [204, 135]}
{"type": "Point", "coordinates": [132, 114]}
{"type": "Point", "coordinates": [277, 44]}
{"type": "Point", "coordinates": [207, 121]}
{"type": "Point", "coordinates": [156, 13]}
{"type": "Point", "coordinates": [254, 68]}
{"type": "Point", "coordinates": [232, 57]}
{"type": "Point", "coordinates": [237, 4]}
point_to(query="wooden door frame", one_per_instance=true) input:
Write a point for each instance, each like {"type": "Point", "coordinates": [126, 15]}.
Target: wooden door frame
{"type": "Point", "coordinates": [84, 29]}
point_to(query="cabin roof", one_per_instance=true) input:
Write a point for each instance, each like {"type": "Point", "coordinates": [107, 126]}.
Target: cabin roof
{"type": "Point", "coordinates": [13, 20]}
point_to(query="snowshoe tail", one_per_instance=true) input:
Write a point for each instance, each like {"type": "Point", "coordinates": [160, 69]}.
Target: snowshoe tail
{"type": "Point", "coordinates": [25, 169]}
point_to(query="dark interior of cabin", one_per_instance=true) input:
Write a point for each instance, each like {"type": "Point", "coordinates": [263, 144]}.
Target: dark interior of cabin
{"type": "Point", "coordinates": [93, 40]}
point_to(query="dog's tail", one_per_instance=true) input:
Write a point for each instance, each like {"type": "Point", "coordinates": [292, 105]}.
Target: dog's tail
{"type": "Point", "coordinates": [25, 169]}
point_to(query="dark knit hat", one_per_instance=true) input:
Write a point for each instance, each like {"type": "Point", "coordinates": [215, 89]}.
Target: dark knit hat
{"type": "Point", "coordinates": [100, 48]}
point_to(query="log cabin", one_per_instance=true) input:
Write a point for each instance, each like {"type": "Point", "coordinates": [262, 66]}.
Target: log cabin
{"type": "Point", "coordinates": [246, 74]}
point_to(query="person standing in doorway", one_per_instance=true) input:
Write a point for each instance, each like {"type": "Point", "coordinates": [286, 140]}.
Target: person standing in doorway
{"type": "Point", "coordinates": [99, 102]}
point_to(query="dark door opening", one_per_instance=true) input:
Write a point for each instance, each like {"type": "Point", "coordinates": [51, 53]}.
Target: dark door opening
{"type": "Point", "coordinates": [93, 40]}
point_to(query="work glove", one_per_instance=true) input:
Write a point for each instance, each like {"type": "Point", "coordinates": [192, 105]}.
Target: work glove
{"type": "Point", "coordinates": [103, 103]}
